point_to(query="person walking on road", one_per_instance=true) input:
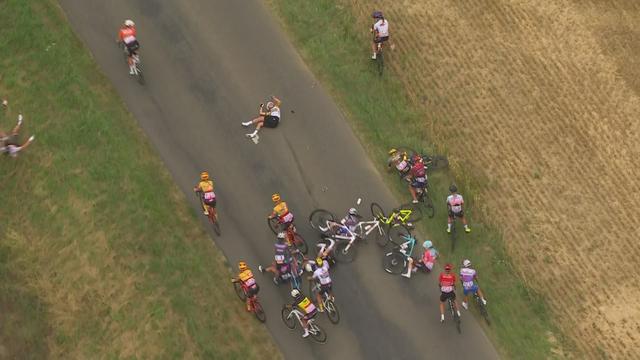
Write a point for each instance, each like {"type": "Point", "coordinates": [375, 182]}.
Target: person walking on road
{"type": "Point", "coordinates": [269, 117]}
{"type": "Point", "coordinates": [9, 143]}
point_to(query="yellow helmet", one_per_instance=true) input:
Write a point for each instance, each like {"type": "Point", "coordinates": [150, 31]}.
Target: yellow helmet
{"type": "Point", "coordinates": [275, 197]}
{"type": "Point", "coordinates": [392, 151]}
{"type": "Point", "coordinates": [319, 261]}
{"type": "Point", "coordinates": [204, 176]}
{"type": "Point", "coordinates": [242, 266]}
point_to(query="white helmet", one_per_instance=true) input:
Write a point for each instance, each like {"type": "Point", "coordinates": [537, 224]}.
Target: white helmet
{"type": "Point", "coordinates": [270, 105]}
{"type": "Point", "coordinates": [353, 211]}
{"type": "Point", "coordinates": [281, 235]}
{"type": "Point", "coordinates": [129, 23]}
{"type": "Point", "coordinates": [466, 263]}
{"type": "Point", "coordinates": [295, 292]}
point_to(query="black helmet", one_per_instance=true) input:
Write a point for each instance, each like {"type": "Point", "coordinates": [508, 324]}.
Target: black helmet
{"type": "Point", "coordinates": [377, 14]}
{"type": "Point", "coordinates": [453, 188]}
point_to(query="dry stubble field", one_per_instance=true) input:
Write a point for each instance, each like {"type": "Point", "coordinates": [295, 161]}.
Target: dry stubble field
{"type": "Point", "coordinates": [538, 102]}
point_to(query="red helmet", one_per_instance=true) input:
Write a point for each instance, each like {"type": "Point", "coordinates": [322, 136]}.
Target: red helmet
{"type": "Point", "coordinates": [448, 267]}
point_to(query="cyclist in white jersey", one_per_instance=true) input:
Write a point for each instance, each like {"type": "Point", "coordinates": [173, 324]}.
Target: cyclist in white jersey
{"type": "Point", "coordinates": [320, 270]}
{"type": "Point", "coordinates": [380, 30]}
{"type": "Point", "coordinates": [269, 117]}
{"type": "Point", "coordinates": [454, 206]}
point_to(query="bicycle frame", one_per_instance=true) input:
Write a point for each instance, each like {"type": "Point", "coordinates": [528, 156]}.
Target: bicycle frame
{"type": "Point", "coordinates": [409, 244]}
{"type": "Point", "coordinates": [401, 215]}
{"type": "Point", "coordinates": [363, 231]}
{"type": "Point", "coordinates": [310, 323]}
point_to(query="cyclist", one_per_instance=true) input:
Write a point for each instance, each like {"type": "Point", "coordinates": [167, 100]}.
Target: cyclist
{"type": "Point", "coordinates": [320, 269]}
{"type": "Point", "coordinates": [399, 160]}
{"type": "Point", "coordinates": [349, 223]}
{"type": "Point", "coordinates": [269, 118]}
{"type": "Point", "coordinates": [468, 277]}
{"type": "Point", "coordinates": [245, 276]}
{"type": "Point", "coordinates": [281, 266]}
{"type": "Point", "coordinates": [426, 262]}
{"type": "Point", "coordinates": [454, 206]}
{"type": "Point", "coordinates": [207, 196]}
{"type": "Point", "coordinates": [127, 35]}
{"type": "Point", "coordinates": [281, 210]}
{"type": "Point", "coordinates": [9, 143]}
{"type": "Point", "coordinates": [326, 249]}
{"type": "Point", "coordinates": [417, 177]}
{"type": "Point", "coordinates": [380, 30]}
{"type": "Point", "coordinates": [447, 283]}
{"type": "Point", "coordinates": [305, 306]}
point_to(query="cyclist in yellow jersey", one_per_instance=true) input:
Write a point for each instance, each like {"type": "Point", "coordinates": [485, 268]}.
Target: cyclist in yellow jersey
{"type": "Point", "coordinates": [281, 210]}
{"type": "Point", "coordinates": [249, 283]}
{"type": "Point", "coordinates": [305, 306]}
{"type": "Point", "coordinates": [207, 196]}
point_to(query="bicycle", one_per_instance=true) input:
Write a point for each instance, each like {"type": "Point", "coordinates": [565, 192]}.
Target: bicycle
{"type": "Point", "coordinates": [454, 314]}
{"type": "Point", "coordinates": [344, 251]}
{"type": "Point", "coordinates": [137, 64]}
{"type": "Point", "coordinates": [289, 317]}
{"type": "Point", "coordinates": [379, 59]}
{"type": "Point", "coordinates": [453, 234]}
{"type": "Point", "coordinates": [212, 214]}
{"type": "Point", "coordinates": [482, 307]}
{"type": "Point", "coordinates": [328, 303]}
{"type": "Point", "coordinates": [431, 162]}
{"type": "Point", "coordinates": [405, 214]}
{"type": "Point", "coordinates": [422, 195]}
{"type": "Point", "coordinates": [396, 260]}
{"type": "Point", "coordinates": [241, 290]}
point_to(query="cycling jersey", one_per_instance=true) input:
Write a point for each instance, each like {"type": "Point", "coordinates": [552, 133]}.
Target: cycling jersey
{"type": "Point", "coordinates": [281, 253]}
{"type": "Point", "coordinates": [429, 256]}
{"type": "Point", "coordinates": [351, 221]}
{"type": "Point", "coordinates": [455, 203]}
{"type": "Point", "coordinates": [322, 274]}
{"type": "Point", "coordinates": [247, 278]}
{"type": "Point", "coordinates": [381, 27]}
{"type": "Point", "coordinates": [206, 188]}
{"type": "Point", "coordinates": [305, 305]}
{"type": "Point", "coordinates": [282, 211]}
{"type": "Point", "coordinates": [127, 35]}
{"type": "Point", "coordinates": [447, 282]}
{"type": "Point", "coordinates": [275, 111]}
{"type": "Point", "coordinates": [467, 276]}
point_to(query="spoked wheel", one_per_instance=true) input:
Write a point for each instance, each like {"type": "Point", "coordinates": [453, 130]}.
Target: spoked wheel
{"type": "Point", "coordinates": [274, 225]}
{"type": "Point", "coordinates": [239, 291]}
{"type": "Point", "coordinates": [380, 62]}
{"type": "Point", "coordinates": [429, 209]}
{"type": "Point", "coordinates": [300, 243]}
{"type": "Point", "coordinates": [455, 316]}
{"type": "Point", "coordinates": [380, 234]}
{"type": "Point", "coordinates": [317, 333]}
{"type": "Point", "coordinates": [140, 74]}
{"type": "Point", "coordinates": [259, 312]}
{"type": "Point", "coordinates": [435, 162]}
{"type": "Point", "coordinates": [453, 235]}
{"type": "Point", "coordinates": [483, 309]}
{"type": "Point", "coordinates": [288, 318]}
{"type": "Point", "coordinates": [318, 220]}
{"type": "Point", "coordinates": [416, 211]}
{"type": "Point", "coordinates": [399, 234]}
{"type": "Point", "coordinates": [332, 311]}
{"type": "Point", "coordinates": [377, 212]}
{"type": "Point", "coordinates": [394, 262]}
{"type": "Point", "coordinates": [342, 254]}
{"type": "Point", "coordinates": [214, 221]}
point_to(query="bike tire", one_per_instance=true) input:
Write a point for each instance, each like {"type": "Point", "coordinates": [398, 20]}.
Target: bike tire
{"type": "Point", "coordinates": [416, 211]}
{"type": "Point", "coordinates": [141, 80]}
{"type": "Point", "coordinates": [214, 221]}
{"type": "Point", "coordinates": [380, 63]}
{"type": "Point", "coordinates": [458, 323]}
{"type": "Point", "coordinates": [288, 318]}
{"type": "Point", "coordinates": [258, 311]}
{"type": "Point", "coordinates": [377, 212]}
{"type": "Point", "coordinates": [300, 243]}
{"type": "Point", "coordinates": [394, 262]}
{"type": "Point", "coordinates": [332, 311]}
{"type": "Point", "coordinates": [319, 335]}
{"type": "Point", "coordinates": [238, 289]}
{"type": "Point", "coordinates": [483, 310]}
{"type": "Point", "coordinates": [429, 209]}
{"type": "Point", "coordinates": [453, 236]}
{"type": "Point", "coordinates": [341, 253]}
{"type": "Point", "coordinates": [318, 219]}
{"type": "Point", "coordinates": [398, 234]}
{"type": "Point", "coordinates": [436, 162]}
{"type": "Point", "coordinates": [380, 235]}
{"type": "Point", "coordinates": [274, 225]}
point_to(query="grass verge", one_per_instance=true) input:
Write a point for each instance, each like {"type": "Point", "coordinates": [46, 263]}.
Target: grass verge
{"type": "Point", "coordinates": [383, 117]}
{"type": "Point", "coordinates": [100, 256]}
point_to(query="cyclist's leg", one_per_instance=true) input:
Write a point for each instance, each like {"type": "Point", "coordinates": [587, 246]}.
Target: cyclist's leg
{"type": "Point", "coordinates": [481, 295]}
{"type": "Point", "coordinates": [449, 220]}
{"type": "Point", "coordinates": [412, 191]}
{"type": "Point", "coordinates": [409, 267]}
{"type": "Point", "coordinates": [443, 299]}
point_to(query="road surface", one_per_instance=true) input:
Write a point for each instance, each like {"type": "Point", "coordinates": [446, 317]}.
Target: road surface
{"type": "Point", "coordinates": [208, 64]}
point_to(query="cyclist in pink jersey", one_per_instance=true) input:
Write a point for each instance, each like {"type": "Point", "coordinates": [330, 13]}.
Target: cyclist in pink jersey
{"type": "Point", "coordinates": [454, 206]}
{"type": "Point", "coordinates": [425, 263]}
{"type": "Point", "coordinates": [468, 277]}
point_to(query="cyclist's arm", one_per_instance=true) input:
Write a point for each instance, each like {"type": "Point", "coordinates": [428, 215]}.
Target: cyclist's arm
{"type": "Point", "coordinates": [276, 101]}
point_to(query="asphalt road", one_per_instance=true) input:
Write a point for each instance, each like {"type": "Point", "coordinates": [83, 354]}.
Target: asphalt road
{"type": "Point", "coordinates": [208, 64]}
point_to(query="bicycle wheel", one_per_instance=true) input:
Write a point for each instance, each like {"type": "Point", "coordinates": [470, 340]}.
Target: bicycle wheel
{"type": "Point", "coordinates": [317, 333]}
{"type": "Point", "coordinates": [318, 220]}
{"type": "Point", "coordinates": [259, 312]}
{"type": "Point", "coordinates": [430, 210]}
{"type": "Point", "coordinates": [483, 309]}
{"type": "Point", "coordinates": [288, 318]}
{"type": "Point", "coordinates": [379, 234]}
{"type": "Point", "coordinates": [380, 62]}
{"type": "Point", "coordinates": [239, 291]}
{"type": "Point", "coordinates": [274, 225]}
{"type": "Point", "coordinates": [416, 211]}
{"type": "Point", "coordinates": [300, 243]}
{"type": "Point", "coordinates": [343, 254]}
{"type": "Point", "coordinates": [214, 222]}
{"type": "Point", "coordinates": [399, 234]}
{"type": "Point", "coordinates": [139, 73]}
{"type": "Point", "coordinates": [436, 162]}
{"type": "Point", "coordinates": [332, 311]}
{"type": "Point", "coordinates": [394, 262]}
{"type": "Point", "coordinates": [453, 235]}
{"type": "Point", "coordinates": [377, 212]}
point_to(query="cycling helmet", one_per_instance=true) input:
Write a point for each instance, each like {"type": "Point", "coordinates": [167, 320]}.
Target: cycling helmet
{"type": "Point", "coordinates": [393, 151]}
{"type": "Point", "coordinates": [466, 263]}
{"type": "Point", "coordinates": [308, 267]}
{"type": "Point", "coordinates": [275, 197]}
{"type": "Point", "coordinates": [319, 261]}
{"type": "Point", "coordinates": [453, 188]}
{"type": "Point", "coordinates": [242, 266]}
{"type": "Point", "coordinates": [281, 235]}
{"type": "Point", "coordinates": [353, 211]}
{"type": "Point", "coordinates": [448, 267]}
{"type": "Point", "coordinates": [270, 105]}
{"type": "Point", "coordinates": [204, 176]}
{"type": "Point", "coordinates": [129, 23]}
{"type": "Point", "coordinates": [295, 293]}
{"type": "Point", "coordinates": [377, 14]}
{"type": "Point", "coordinates": [427, 244]}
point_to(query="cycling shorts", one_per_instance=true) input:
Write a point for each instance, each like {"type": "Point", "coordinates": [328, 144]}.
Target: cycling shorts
{"type": "Point", "coordinates": [471, 290]}
{"type": "Point", "coordinates": [252, 291]}
{"type": "Point", "coordinates": [132, 47]}
{"type": "Point", "coordinates": [450, 295]}
{"type": "Point", "coordinates": [310, 315]}
{"type": "Point", "coordinates": [418, 184]}
{"type": "Point", "coordinates": [271, 121]}
{"type": "Point", "coordinates": [211, 202]}
{"type": "Point", "coordinates": [380, 39]}
{"type": "Point", "coordinates": [325, 288]}
{"type": "Point", "coordinates": [458, 214]}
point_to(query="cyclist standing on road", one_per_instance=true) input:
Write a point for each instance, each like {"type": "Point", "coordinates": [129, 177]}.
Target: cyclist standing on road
{"type": "Point", "coordinates": [127, 35]}
{"type": "Point", "coordinates": [249, 283]}
{"type": "Point", "coordinates": [281, 210]}
{"type": "Point", "coordinates": [305, 306]}
{"type": "Point", "coordinates": [207, 196]}
{"type": "Point", "coordinates": [380, 30]}
{"type": "Point", "coordinates": [468, 276]}
{"type": "Point", "coordinates": [447, 282]}
{"type": "Point", "coordinates": [320, 271]}
{"type": "Point", "coordinates": [454, 206]}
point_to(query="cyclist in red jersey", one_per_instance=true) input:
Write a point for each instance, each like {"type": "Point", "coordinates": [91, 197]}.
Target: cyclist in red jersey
{"type": "Point", "coordinates": [447, 283]}
{"type": "Point", "coordinates": [127, 36]}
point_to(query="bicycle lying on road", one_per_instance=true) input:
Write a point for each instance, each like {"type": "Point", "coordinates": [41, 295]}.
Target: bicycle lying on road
{"type": "Point", "coordinates": [291, 316]}
{"type": "Point", "coordinates": [405, 214]}
{"type": "Point", "coordinates": [256, 308]}
{"type": "Point", "coordinates": [396, 261]}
